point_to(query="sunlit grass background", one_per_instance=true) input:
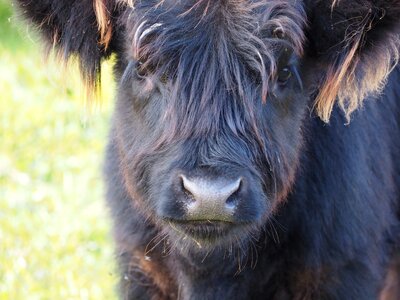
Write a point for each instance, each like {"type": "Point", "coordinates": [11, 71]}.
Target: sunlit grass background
{"type": "Point", "coordinates": [55, 240]}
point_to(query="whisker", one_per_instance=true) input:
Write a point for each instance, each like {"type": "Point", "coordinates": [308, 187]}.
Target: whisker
{"type": "Point", "coordinates": [157, 242]}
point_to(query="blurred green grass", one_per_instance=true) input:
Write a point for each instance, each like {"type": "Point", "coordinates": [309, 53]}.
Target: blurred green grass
{"type": "Point", "coordinates": [55, 240]}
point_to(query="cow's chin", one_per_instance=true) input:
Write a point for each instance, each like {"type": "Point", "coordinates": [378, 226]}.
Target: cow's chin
{"type": "Point", "coordinates": [206, 237]}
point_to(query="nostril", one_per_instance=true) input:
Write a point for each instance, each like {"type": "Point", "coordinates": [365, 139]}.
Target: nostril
{"type": "Point", "coordinates": [183, 186]}
{"type": "Point", "coordinates": [232, 200]}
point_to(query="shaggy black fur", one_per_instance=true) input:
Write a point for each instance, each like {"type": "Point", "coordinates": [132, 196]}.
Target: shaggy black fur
{"type": "Point", "coordinates": [225, 89]}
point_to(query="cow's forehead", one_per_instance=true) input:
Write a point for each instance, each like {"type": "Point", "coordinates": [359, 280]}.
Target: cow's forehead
{"type": "Point", "coordinates": [215, 40]}
{"type": "Point", "coordinates": [254, 15]}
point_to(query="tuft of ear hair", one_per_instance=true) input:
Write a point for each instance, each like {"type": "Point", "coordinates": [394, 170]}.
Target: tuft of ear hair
{"type": "Point", "coordinates": [81, 28]}
{"type": "Point", "coordinates": [358, 42]}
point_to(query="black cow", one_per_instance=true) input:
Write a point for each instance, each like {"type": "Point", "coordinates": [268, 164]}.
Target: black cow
{"type": "Point", "coordinates": [223, 183]}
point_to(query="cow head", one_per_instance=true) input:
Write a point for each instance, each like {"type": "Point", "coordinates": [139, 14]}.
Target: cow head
{"type": "Point", "coordinates": [213, 95]}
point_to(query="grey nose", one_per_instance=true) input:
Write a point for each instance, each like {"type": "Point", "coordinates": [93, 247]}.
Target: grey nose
{"type": "Point", "coordinates": [209, 199]}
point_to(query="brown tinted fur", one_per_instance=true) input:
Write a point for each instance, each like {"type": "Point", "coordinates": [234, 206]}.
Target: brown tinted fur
{"type": "Point", "coordinates": [357, 76]}
{"type": "Point", "coordinates": [104, 22]}
{"type": "Point", "coordinates": [145, 272]}
{"type": "Point", "coordinates": [333, 85]}
{"type": "Point", "coordinates": [391, 290]}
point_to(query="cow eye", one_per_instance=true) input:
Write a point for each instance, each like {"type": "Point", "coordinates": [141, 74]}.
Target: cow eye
{"type": "Point", "coordinates": [144, 70]}
{"type": "Point", "coordinates": [284, 75]}
{"type": "Point", "coordinates": [141, 70]}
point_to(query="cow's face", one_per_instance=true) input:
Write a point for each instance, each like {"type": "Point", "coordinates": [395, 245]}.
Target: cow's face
{"type": "Point", "coordinates": [209, 115]}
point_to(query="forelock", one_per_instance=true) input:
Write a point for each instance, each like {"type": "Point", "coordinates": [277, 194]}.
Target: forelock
{"type": "Point", "coordinates": [204, 45]}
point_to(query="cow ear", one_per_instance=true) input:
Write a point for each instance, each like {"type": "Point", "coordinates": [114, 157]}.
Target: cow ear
{"type": "Point", "coordinates": [83, 28]}
{"type": "Point", "coordinates": [358, 42]}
